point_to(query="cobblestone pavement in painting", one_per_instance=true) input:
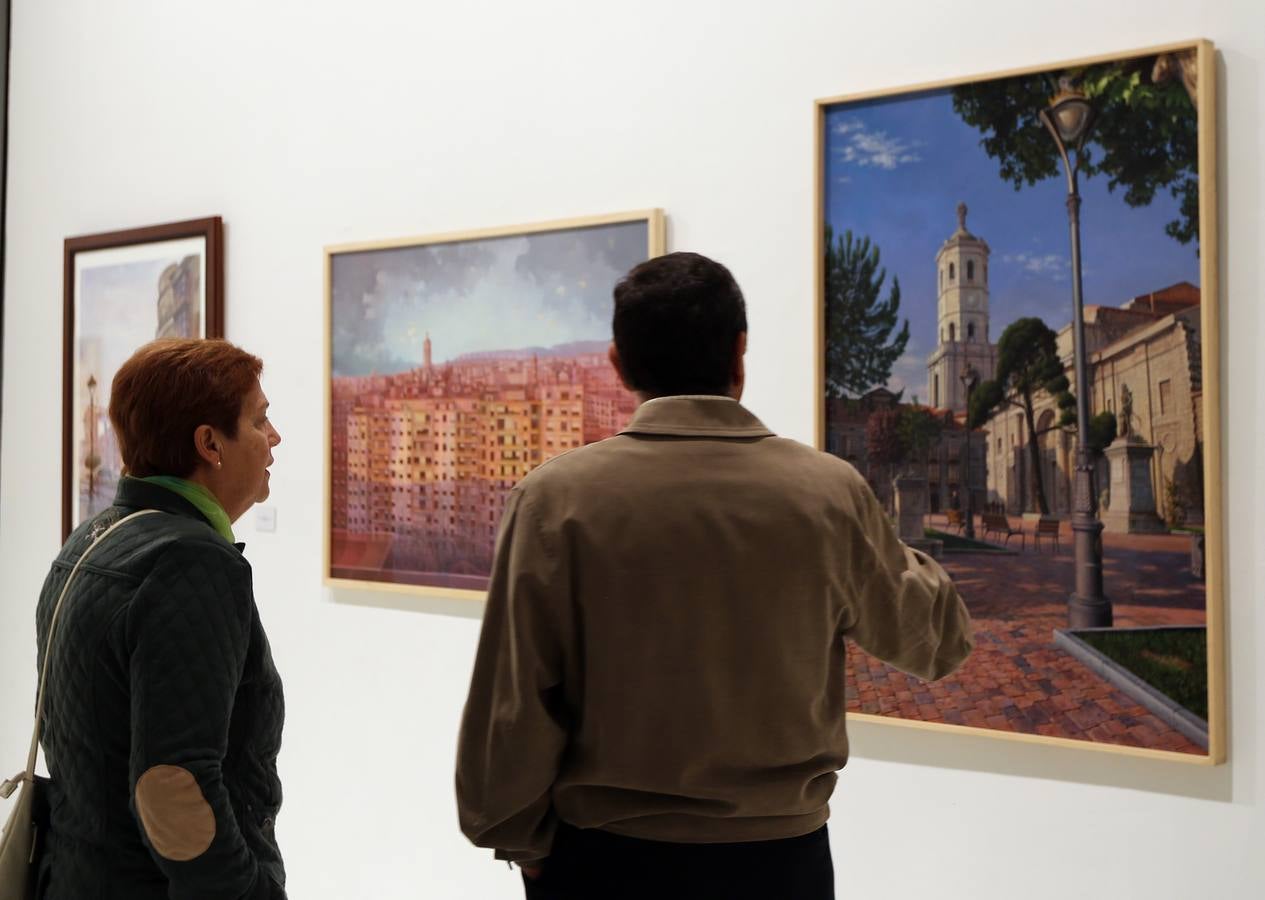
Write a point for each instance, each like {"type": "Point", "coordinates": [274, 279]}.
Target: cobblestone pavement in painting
{"type": "Point", "coordinates": [1016, 679]}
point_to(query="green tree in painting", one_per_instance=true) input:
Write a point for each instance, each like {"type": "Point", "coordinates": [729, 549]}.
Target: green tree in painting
{"type": "Point", "coordinates": [920, 430]}
{"type": "Point", "coordinates": [1144, 137]}
{"type": "Point", "coordinates": [885, 447]}
{"type": "Point", "coordinates": [1102, 431]}
{"type": "Point", "coordinates": [1027, 364]}
{"type": "Point", "coordinates": [860, 347]}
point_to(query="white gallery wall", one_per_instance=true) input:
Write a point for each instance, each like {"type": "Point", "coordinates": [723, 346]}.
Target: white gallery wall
{"type": "Point", "coordinates": [312, 123]}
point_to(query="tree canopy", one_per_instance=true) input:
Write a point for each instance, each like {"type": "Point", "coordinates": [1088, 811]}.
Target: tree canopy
{"type": "Point", "coordinates": [1144, 137]}
{"type": "Point", "coordinates": [1027, 364]}
{"type": "Point", "coordinates": [860, 347]}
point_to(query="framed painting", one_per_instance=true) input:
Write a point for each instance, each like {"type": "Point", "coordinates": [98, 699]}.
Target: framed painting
{"type": "Point", "coordinates": [457, 364]}
{"type": "Point", "coordinates": [121, 290]}
{"type": "Point", "coordinates": [1019, 349]}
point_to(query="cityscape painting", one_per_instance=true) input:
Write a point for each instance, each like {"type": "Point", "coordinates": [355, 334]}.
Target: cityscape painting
{"type": "Point", "coordinates": [123, 289]}
{"type": "Point", "coordinates": [457, 365]}
{"type": "Point", "coordinates": [1018, 340]}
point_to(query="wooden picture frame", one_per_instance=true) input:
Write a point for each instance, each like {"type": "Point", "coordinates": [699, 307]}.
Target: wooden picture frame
{"type": "Point", "coordinates": [885, 157]}
{"type": "Point", "coordinates": [423, 444]}
{"type": "Point", "coordinates": [155, 281]}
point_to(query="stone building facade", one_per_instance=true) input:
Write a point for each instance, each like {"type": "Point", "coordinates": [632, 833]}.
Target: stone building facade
{"type": "Point", "coordinates": [180, 299]}
{"type": "Point", "coordinates": [946, 465]}
{"type": "Point", "coordinates": [1149, 345]}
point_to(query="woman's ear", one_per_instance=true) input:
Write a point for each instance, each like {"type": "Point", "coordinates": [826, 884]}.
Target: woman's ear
{"type": "Point", "coordinates": [207, 443]}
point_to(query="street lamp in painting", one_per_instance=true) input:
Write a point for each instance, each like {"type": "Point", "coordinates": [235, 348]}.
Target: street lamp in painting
{"type": "Point", "coordinates": [91, 461]}
{"type": "Point", "coordinates": [1069, 118]}
{"type": "Point", "coordinates": [970, 380]}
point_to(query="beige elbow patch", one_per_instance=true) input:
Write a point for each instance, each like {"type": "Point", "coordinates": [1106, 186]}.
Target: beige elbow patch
{"type": "Point", "coordinates": [178, 821]}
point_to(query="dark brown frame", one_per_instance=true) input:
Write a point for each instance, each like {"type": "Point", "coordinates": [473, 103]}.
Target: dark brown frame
{"type": "Point", "coordinates": [210, 229]}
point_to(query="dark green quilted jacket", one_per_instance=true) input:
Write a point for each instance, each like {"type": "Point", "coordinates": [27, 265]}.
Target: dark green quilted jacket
{"type": "Point", "coordinates": [160, 673]}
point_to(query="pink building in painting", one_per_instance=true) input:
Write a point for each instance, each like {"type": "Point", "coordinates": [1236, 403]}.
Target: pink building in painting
{"type": "Point", "coordinates": [422, 460]}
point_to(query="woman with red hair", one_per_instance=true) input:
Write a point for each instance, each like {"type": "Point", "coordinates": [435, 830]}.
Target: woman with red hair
{"type": "Point", "coordinates": [162, 711]}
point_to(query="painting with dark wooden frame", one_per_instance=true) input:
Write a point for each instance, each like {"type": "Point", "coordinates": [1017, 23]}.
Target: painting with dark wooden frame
{"type": "Point", "coordinates": [122, 289]}
{"type": "Point", "coordinates": [1018, 346]}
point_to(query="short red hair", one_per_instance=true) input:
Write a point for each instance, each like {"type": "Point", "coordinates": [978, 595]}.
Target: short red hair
{"type": "Point", "coordinates": [166, 390]}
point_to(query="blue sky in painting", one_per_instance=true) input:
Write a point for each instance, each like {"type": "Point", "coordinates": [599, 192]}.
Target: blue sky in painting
{"type": "Point", "coordinates": [541, 289]}
{"type": "Point", "coordinates": [895, 172]}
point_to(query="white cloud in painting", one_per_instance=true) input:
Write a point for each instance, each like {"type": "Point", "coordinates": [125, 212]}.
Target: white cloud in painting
{"type": "Point", "coordinates": [864, 147]}
{"type": "Point", "coordinates": [486, 295]}
{"type": "Point", "coordinates": [1039, 264]}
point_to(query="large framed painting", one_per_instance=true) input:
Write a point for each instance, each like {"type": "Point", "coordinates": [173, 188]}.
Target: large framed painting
{"type": "Point", "coordinates": [457, 364]}
{"type": "Point", "coordinates": [121, 290]}
{"type": "Point", "coordinates": [1019, 349]}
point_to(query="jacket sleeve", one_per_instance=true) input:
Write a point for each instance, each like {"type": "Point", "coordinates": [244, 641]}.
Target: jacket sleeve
{"type": "Point", "coordinates": [188, 631]}
{"type": "Point", "coordinates": [513, 731]}
{"type": "Point", "coordinates": [905, 608]}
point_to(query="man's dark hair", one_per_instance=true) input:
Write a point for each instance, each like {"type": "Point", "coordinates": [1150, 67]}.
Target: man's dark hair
{"type": "Point", "coordinates": [677, 321]}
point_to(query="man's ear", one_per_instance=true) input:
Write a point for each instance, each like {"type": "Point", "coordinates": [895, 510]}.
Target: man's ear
{"type": "Point", "coordinates": [738, 368]}
{"type": "Point", "coordinates": [618, 365]}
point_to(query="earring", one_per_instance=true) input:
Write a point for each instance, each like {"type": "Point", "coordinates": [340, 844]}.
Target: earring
{"type": "Point", "coordinates": [219, 464]}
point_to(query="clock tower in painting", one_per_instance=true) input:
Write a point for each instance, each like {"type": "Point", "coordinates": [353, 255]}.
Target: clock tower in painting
{"type": "Point", "coordinates": [962, 318]}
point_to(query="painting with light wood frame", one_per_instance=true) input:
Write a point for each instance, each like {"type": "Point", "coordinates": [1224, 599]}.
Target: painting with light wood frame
{"type": "Point", "coordinates": [947, 374]}
{"type": "Point", "coordinates": [456, 363]}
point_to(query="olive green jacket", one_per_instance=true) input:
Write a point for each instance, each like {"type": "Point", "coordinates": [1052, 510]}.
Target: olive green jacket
{"type": "Point", "coordinates": [663, 653]}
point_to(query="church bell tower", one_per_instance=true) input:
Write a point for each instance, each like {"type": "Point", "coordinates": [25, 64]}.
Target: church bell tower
{"type": "Point", "coordinates": [961, 318]}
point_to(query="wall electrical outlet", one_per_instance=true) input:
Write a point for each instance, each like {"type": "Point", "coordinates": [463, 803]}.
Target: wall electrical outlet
{"type": "Point", "coordinates": [266, 518]}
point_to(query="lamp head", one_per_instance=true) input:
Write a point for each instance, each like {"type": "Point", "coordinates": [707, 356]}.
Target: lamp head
{"type": "Point", "coordinates": [1071, 114]}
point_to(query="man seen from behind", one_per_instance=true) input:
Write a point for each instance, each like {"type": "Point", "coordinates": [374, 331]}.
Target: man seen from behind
{"type": "Point", "coordinates": [657, 705]}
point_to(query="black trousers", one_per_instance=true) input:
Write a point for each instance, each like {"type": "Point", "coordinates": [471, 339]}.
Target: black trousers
{"type": "Point", "coordinates": [588, 864]}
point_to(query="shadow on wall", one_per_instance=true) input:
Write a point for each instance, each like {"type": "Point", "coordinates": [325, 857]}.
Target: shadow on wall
{"type": "Point", "coordinates": [456, 607]}
{"type": "Point", "coordinates": [983, 753]}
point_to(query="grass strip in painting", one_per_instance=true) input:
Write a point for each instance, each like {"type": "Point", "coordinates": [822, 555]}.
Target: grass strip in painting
{"type": "Point", "coordinates": [1174, 661]}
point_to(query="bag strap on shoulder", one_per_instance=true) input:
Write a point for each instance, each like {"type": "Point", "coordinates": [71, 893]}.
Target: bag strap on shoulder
{"type": "Point", "coordinates": [29, 773]}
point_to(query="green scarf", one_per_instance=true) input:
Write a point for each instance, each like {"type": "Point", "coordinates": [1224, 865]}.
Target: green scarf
{"type": "Point", "coordinates": [200, 497]}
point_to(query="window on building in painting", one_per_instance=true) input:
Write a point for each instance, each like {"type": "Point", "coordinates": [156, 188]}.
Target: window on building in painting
{"type": "Point", "coordinates": [1166, 395]}
{"type": "Point", "coordinates": [970, 270]}
{"type": "Point", "coordinates": [935, 388]}
{"type": "Point", "coordinates": [970, 331]}
{"type": "Point", "coordinates": [951, 273]}
{"type": "Point", "coordinates": [952, 333]}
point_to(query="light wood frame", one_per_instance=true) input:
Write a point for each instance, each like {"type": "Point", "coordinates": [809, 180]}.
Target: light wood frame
{"type": "Point", "coordinates": [1214, 511]}
{"type": "Point", "coordinates": [656, 242]}
{"type": "Point", "coordinates": [211, 230]}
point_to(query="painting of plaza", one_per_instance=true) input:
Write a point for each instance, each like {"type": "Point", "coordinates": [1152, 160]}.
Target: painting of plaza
{"type": "Point", "coordinates": [457, 366]}
{"type": "Point", "coordinates": [1060, 482]}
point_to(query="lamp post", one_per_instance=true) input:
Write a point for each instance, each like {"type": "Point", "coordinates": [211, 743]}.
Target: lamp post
{"type": "Point", "coordinates": [970, 379]}
{"type": "Point", "coordinates": [91, 461]}
{"type": "Point", "coordinates": [1068, 118]}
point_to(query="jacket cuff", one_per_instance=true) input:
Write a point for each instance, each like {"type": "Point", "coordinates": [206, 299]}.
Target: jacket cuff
{"type": "Point", "coordinates": [518, 856]}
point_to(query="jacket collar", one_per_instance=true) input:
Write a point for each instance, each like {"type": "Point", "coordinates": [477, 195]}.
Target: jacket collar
{"type": "Point", "coordinates": [699, 415]}
{"type": "Point", "coordinates": [136, 494]}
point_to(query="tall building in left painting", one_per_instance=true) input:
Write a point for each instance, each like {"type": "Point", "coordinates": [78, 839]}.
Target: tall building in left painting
{"type": "Point", "coordinates": [179, 307]}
